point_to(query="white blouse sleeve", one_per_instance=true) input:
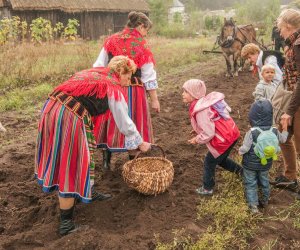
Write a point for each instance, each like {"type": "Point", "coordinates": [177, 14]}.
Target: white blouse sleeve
{"type": "Point", "coordinates": [149, 76]}
{"type": "Point", "coordinates": [126, 126]}
{"type": "Point", "coordinates": [102, 59]}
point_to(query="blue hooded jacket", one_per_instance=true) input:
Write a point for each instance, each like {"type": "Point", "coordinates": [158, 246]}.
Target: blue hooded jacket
{"type": "Point", "coordinates": [260, 115]}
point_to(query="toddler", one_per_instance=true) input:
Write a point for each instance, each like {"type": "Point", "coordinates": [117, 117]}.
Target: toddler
{"type": "Point", "coordinates": [214, 127]}
{"type": "Point", "coordinates": [261, 143]}
{"type": "Point", "coordinates": [265, 89]}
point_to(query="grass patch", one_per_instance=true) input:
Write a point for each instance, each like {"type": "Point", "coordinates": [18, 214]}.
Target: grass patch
{"type": "Point", "coordinates": [20, 99]}
{"type": "Point", "coordinates": [231, 224]}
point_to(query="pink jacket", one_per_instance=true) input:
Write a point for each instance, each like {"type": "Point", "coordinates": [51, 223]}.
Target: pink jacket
{"type": "Point", "coordinates": [211, 121]}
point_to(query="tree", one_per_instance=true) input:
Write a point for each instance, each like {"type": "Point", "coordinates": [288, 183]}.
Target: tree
{"type": "Point", "coordinates": [159, 11]}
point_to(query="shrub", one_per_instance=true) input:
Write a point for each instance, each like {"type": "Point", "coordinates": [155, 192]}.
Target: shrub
{"type": "Point", "coordinates": [41, 30]}
{"type": "Point", "coordinates": [70, 31]}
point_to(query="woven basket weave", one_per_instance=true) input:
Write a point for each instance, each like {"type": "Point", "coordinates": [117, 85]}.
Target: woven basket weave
{"type": "Point", "coordinates": [149, 175]}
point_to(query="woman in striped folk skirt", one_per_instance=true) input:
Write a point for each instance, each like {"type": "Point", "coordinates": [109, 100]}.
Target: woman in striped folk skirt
{"type": "Point", "coordinates": [131, 43]}
{"type": "Point", "coordinates": [66, 143]}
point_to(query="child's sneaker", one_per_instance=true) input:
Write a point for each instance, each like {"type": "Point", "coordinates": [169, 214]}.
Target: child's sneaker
{"type": "Point", "coordinates": [253, 209]}
{"type": "Point", "coordinates": [203, 191]}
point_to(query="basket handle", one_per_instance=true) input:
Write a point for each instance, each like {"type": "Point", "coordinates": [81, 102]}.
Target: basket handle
{"type": "Point", "coordinates": [152, 146]}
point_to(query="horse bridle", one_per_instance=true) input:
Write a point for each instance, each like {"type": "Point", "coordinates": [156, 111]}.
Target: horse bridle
{"type": "Point", "coordinates": [227, 44]}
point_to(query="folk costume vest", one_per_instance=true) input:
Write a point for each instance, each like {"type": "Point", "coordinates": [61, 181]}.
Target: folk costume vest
{"type": "Point", "coordinates": [91, 88]}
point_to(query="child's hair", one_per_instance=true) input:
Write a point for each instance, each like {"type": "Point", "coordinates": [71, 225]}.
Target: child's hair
{"type": "Point", "coordinates": [289, 17]}
{"type": "Point", "coordinates": [195, 87]}
{"type": "Point", "coordinates": [266, 67]}
{"type": "Point", "coordinates": [137, 18]}
{"type": "Point", "coordinates": [249, 49]}
{"type": "Point", "coordinates": [122, 64]}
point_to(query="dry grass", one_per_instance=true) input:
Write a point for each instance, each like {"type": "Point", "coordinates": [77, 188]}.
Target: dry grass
{"type": "Point", "coordinates": [27, 66]}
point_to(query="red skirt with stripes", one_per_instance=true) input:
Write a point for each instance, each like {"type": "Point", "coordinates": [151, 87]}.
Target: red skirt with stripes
{"type": "Point", "coordinates": [64, 152]}
{"type": "Point", "coordinates": [105, 130]}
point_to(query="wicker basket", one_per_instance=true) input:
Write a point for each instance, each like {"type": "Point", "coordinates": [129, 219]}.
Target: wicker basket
{"type": "Point", "coordinates": [149, 175]}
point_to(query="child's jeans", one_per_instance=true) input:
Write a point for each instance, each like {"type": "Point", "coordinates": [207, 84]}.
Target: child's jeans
{"type": "Point", "coordinates": [210, 164]}
{"type": "Point", "coordinates": [253, 179]}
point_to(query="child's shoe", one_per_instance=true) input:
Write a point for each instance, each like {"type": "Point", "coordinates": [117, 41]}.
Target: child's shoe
{"type": "Point", "coordinates": [253, 209]}
{"type": "Point", "coordinates": [263, 204]}
{"type": "Point", "coordinates": [203, 191]}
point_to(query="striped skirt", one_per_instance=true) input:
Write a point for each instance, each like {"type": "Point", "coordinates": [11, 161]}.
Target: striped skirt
{"type": "Point", "coordinates": [106, 132]}
{"type": "Point", "coordinates": [64, 152]}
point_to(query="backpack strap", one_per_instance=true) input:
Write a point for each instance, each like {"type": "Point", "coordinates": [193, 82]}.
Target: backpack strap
{"type": "Point", "coordinates": [255, 131]}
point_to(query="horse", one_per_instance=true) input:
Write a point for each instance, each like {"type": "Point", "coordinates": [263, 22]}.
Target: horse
{"type": "Point", "coordinates": [232, 40]}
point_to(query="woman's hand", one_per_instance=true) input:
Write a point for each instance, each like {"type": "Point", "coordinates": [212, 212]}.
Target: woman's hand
{"type": "Point", "coordinates": [145, 146]}
{"type": "Point", "coordinates": [154, 100]}
{"type": "Point", "coordinates": [193, 140]}
{"type": "Point", "coordinates": [155, 105]}
{"type": "Point", "coordinates": [285, 121]}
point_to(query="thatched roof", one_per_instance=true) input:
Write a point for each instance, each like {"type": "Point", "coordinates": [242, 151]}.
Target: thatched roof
{"type": "Point", "coordinates": [80, 5]}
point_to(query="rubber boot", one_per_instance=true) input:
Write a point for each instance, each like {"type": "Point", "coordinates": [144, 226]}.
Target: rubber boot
{"type": "Point", "coordinates": [96, 196]}
{"type": "Point", "coordinates": [66, 221]}
{"type": "Point", "coordinates": [106, 159]}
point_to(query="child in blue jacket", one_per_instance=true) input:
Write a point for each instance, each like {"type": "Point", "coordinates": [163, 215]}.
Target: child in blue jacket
{"type": "Point", "coordinates": [256, 165]}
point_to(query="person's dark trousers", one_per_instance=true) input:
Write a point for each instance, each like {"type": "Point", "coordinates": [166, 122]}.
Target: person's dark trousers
{"type": "Point", "coordinates": [210, 164]}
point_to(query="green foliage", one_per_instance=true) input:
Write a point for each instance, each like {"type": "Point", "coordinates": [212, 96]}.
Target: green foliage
{"type": "Point", "coordinates": [12, 30]}
{"type": "Point", "coordinates": [196, 21]}
{"type": "Point", "coordinates": [41, 30]}
{"type": "Point", "coordinates": [212, 22]}
{"type": "Point", "coordinates": [20, 99]}
{"type": "Point", "coordinates": [263, 16]}
{"type": "Point", "coordinates": [5, 30]}
{"type": "Point", "coordinates": [70, 31]}
{"type": "Point", "coordinates": [295, 3]}
{"type": "Point", "coordinates": [177, 18]}
{"type": "Point", "coordinates": [175, 30]}
{"type": "Point", "coordinates": [159, 12]}
{"type": "Point", "coordinates": [192, 5]}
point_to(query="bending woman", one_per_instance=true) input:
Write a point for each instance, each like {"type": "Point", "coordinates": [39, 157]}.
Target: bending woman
{"type": "Point", "coordinates": [130, 42]}
{"type": "Point", "coordinates": [66, 144]}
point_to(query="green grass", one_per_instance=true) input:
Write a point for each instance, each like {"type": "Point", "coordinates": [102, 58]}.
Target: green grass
{"type": "Point", "coordinates": [20, 99]}
{"type": "Point", "coordinates": [231, 223]}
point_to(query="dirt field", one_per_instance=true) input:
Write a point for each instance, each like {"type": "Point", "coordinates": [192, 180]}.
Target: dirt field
{"type": "Point", "coordinates": [29, 218]}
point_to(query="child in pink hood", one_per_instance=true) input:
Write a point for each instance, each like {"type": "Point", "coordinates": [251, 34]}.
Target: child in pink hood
{"type": "Point", "coordinates": [211, 121]}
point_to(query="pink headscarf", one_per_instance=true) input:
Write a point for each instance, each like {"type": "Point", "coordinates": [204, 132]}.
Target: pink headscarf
{"type": "Point", "coordinates": [195, 87]}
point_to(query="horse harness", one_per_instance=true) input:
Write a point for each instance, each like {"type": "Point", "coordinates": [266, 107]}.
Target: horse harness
{"type": "Point", "coordinates": [227, 44]}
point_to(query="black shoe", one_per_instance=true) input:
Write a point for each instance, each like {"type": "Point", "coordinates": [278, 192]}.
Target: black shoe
{"type": "Point", "coordinates": [262, 204]}
{"type": "Point", "coordinates": [96, 196]}
{"type": "Point", "coordinates": [281, 180]}
{"type": "Point", "coordinates": [294, 186]}
{"type": "Point", "coordinates": [106, 159]}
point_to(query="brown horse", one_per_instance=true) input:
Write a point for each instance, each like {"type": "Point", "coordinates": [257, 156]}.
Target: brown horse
{"type": "Point", "coordinates": [232, 40]}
